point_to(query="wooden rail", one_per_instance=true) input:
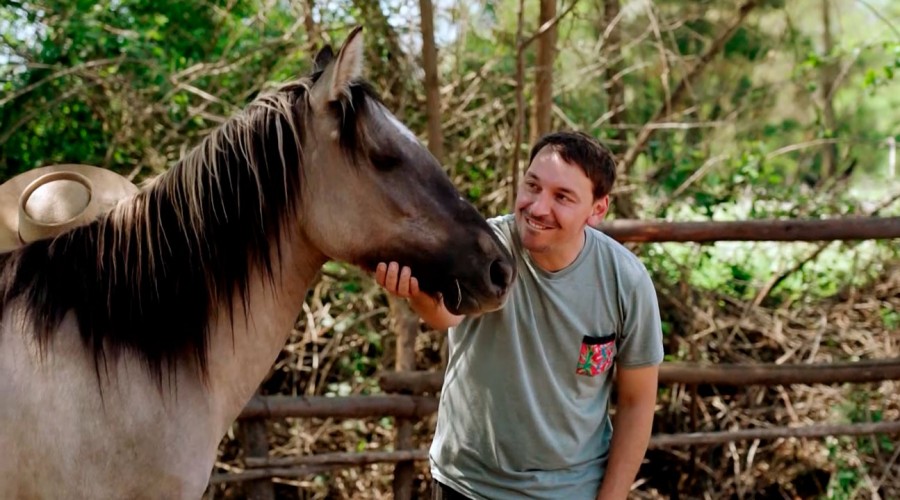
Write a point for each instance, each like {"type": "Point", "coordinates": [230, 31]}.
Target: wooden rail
{"type": "Point", "coordinates": [808, 431]}
{"type": "Point", "coordinates": [309, 465]}
{"type": "Point", "coordinates": [428, 382]}
{"type": "Point", "coordinates": [339, 407]}
{"type": "Point", "coordinates": [849, 228]}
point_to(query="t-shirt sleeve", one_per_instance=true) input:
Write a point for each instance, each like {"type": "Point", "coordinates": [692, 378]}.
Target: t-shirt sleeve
{"type": "Point", "coordinates": [502, 226]}
{"type": "Point", "coordinates": [640, 341]}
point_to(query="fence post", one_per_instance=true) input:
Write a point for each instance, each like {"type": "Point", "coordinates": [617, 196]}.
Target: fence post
{"type": "Point", "coordinates": [255, 443]}
{"type": "Point", "coordinates": [405, 324]}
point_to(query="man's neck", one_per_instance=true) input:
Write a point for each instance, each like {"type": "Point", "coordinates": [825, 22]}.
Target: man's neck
{"type": "Point", "coordinates": [557, 258]}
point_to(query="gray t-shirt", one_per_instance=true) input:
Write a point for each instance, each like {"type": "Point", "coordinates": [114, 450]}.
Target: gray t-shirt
{"type": "Point", "coordinates": [524, 406]}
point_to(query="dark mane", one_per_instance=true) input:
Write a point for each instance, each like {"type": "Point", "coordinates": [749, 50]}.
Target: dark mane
{"type": "Point", "coordinates": [150, 275]}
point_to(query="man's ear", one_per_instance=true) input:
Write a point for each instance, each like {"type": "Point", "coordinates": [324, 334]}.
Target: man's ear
{"type": "Point", "coordinates": [598, 211]}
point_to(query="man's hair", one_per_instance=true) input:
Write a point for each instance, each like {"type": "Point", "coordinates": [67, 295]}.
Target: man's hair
{"type": "Point", "coordinates": [584, 151]}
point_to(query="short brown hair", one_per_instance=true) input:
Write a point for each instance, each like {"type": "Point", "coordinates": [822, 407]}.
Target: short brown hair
{"type": "Point", "coordinates": [585, 151]}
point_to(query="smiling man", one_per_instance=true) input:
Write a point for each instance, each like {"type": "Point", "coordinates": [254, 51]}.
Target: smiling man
{"type": "Point", "coordinates": [524, 410]}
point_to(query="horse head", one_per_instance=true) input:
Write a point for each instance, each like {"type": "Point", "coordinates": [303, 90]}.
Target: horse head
{"type": "Point", "coordinates": [373, 193]}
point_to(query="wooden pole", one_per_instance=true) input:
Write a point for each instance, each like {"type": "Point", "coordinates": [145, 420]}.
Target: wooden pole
{"type": "Point", "coordinates": [406, 325]}
{"type": "Point", "coordinates": [255, 443]}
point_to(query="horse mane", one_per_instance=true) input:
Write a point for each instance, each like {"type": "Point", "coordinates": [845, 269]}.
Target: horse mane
{"type": "Point", "coordinates": [151, 275]}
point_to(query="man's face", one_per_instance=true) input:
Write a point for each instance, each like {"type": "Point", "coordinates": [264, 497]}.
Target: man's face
{"type": "Point", "coordinates": [554, 202]}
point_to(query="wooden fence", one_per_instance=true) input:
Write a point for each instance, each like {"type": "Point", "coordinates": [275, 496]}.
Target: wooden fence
{"type": "Point", "coordinates": [412, 395]}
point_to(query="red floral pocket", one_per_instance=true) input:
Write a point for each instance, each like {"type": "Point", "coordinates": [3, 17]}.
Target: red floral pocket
{"type": "Point", "coordinates": [597, 355]}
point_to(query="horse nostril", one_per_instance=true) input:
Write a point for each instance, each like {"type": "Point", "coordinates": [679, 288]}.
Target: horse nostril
{"type": "Point", "coordinates": [500, 272]}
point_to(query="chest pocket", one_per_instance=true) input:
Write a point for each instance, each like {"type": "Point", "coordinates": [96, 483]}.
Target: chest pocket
{"type": "Point", "coordinates": [596, 355]}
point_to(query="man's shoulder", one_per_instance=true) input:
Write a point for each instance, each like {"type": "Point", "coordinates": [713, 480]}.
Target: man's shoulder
{"type": "Point", "coordinates": [501, 220]}
{"type": "Point", "coordinates": [503, 225]}
{"type": "Point", "coordinates": [619, 256]}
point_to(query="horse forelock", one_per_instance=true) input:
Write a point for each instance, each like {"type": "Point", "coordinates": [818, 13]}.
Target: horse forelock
{"type": "Point", "coordinates": [154, 273]}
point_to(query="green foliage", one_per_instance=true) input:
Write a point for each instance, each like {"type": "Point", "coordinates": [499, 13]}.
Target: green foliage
{"type": "Point", "coordinates": [861, 406]}
{"type": "Point", "coordinates": [890, 318]}
{"type": "Point", "coordinates": [876, 78]}
{"type": "Point", "coordinates": [745, 43]}
{"type": "Point", "coordinates": [111, 83]}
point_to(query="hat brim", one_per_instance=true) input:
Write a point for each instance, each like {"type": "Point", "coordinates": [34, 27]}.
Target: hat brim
{"type": "Point", "coordinates": [108, 188]}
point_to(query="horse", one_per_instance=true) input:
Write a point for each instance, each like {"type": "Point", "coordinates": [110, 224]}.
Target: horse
{"type": "Point", "coordinates": [129, 344]}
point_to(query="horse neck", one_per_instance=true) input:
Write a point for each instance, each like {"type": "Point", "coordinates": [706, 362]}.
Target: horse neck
{"type": "Point", "coordinates": [242, 351]}
{"type": "Point", "coordinates": [243, 184]}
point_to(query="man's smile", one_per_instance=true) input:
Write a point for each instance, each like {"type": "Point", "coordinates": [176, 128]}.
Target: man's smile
{"type": "Point", "coordinates": [536, 224]}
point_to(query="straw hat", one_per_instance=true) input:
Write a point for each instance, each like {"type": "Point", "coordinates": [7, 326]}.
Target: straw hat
{"type": "Point", "coordinates": [46, 201]}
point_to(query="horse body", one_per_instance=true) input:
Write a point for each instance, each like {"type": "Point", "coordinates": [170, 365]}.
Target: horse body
{"type": "Point", "coordinates": [129, 345]}
{"type": "Point", "coordinates": [60, 439]}
{"type": "Point", "coordinates": [129, 440]}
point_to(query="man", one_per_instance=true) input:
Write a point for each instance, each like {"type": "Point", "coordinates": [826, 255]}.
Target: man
{"type": "Point", "coordinates": [524, 406]}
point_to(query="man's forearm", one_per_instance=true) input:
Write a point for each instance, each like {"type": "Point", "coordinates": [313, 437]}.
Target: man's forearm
{"type": "Point", "coordinates": [632, 425]}
{"type": "Point", "coordinates": [433, 312]}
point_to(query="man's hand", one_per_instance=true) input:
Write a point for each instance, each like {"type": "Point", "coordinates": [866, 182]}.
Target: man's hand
{"type": "Point", "coordinates": [396, 280]}
{"type": "Point", "coordinates": [400, 282]}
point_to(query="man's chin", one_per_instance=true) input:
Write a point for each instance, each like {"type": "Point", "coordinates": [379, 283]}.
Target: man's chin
{"type": "Point", "coordinates": [533, 245]}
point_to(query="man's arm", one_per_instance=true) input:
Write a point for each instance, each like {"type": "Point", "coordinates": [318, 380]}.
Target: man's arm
{"type": "Point", "coordinates": [400, 282]}
{"type": "Point", "coordinates": [632, 425]}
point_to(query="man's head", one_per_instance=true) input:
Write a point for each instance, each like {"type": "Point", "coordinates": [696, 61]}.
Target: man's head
{"type": "Point", "coordinates": [585, 152]}
{"type": "Point", "coordinates": [566, 187]}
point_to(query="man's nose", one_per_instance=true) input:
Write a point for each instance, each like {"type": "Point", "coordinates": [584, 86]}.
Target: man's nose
{"type": "Point", "coordinates": [540, 205]}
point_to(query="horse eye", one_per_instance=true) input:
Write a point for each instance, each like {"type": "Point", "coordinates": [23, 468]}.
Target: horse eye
{"type": "Point", "coordinates": [385, 162]}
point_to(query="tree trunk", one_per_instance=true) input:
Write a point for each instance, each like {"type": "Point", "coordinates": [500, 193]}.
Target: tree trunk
{"type": "Point", "coordinates": [312, 33]}
{"type": "Point", "coordinates": [432, 83]}
{"type": "Point", "coordinates": [612, 84]}
{"type": "Point", "coordinates": [622, 203]}
{"type": "Point", "coordinates": [543, 83]}
{"type": "Point", "coordinates": [826, 93]}
{"type": "Point", "coordinates": [520, 107]}
{"type": "Point", "coordinates": [388, 67]}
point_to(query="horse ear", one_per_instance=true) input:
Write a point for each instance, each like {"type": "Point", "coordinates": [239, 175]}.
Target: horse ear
{"type": "Point", "coordinates": [346, 67]}
{"type": "Point", "coordinates": [325, 55]}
